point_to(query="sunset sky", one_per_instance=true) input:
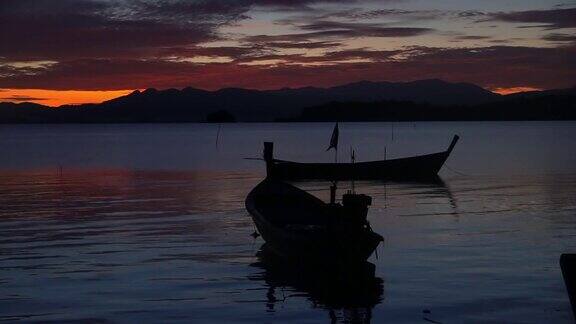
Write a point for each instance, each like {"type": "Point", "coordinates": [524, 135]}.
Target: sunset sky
{"type": "Point", "coordinates": [76, 51]}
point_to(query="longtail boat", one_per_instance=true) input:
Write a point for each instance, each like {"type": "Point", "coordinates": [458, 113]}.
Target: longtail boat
{"type": "Point", "coordinates": [302, 227]}
{"type": "Point", "coordinates": [414, 167]}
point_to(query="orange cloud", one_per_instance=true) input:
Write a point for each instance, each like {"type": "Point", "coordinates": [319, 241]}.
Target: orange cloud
{"type": "Point", "coordinates": [57, 98]}
{"type": "Point", "coordinates": [506, 91]}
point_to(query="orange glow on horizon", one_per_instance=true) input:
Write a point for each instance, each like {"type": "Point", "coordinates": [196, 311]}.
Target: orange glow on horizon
{"type": "Point", "coordinates": [506, 91]}
{"type": "Point", "coordinates": [55, 98]}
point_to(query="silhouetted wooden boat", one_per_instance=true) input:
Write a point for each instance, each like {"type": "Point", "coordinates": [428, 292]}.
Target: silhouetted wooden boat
{"type": "Point", "coordinates": [415, 167]}
{"type": "Point", "coordinates": [298, 225]}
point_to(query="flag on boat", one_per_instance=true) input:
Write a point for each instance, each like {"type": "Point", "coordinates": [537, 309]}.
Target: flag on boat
{"type": "Point", "coordinates": [334, 139]}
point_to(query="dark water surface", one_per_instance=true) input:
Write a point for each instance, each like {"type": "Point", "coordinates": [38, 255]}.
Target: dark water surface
{"type": "Point", "coordinates": [146, 223]}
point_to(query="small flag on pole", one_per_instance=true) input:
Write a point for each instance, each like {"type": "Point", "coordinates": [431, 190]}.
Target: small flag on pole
{"type": "Point", "coordinates": [334, 139]}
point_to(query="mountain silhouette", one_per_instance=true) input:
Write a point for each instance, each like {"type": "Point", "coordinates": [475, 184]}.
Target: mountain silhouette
{"type": "Point", "coordinates": [235, 104]}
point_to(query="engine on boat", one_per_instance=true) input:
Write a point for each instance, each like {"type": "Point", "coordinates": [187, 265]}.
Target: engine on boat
{"type": "Point", "coordinates": [355, 207]}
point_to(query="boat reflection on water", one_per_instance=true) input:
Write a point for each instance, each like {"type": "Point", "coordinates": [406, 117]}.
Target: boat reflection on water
{"type": "Point", "coordinates": [348, 293]}
{"type": "Point", "coordinates": [399, 193]}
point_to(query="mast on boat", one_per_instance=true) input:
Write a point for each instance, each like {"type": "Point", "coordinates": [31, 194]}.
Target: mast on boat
{"type": "Point", "coordinates": [353, 160]}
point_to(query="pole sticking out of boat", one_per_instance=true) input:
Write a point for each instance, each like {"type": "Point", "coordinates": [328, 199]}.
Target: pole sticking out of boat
{"type": "Point", "coordinates": [336, 155]}
{"type": "Point", "coordinates": [269, 156]}
{"type": "Point", "coordinates": [333, 193]}
{"type": "Point", "coordinates": [353, 160]}
{"type": "Point", "coordinates": [385, 196]}
{"type": "Point", "coordinates": [453, 143]}
{"type": "Point", "coordinates": [218, 135]}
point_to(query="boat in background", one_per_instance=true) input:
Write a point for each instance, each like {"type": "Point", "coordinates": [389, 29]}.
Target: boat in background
{"type": "Point", "coordinates": [408, 168]}
{"type": "Point", "coordinates": [301, 227]}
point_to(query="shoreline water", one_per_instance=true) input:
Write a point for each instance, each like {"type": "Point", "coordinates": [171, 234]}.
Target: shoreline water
{"type": "Point", "coordinates": [152, 227]}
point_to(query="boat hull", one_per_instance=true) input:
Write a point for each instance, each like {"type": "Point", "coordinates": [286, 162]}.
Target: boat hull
{"type": "Point", "coordinates": [318, 246]}
{"type": "Point", "coordinates": [420, 167]}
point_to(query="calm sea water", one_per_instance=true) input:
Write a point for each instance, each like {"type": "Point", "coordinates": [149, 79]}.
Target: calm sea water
{"type": "Point", "coordinates": [146, 223]}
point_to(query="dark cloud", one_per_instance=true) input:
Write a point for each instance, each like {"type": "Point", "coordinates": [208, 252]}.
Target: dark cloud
{"type": "Point", "coordinates": [294, 3]}
{"type": "Point", "coordinates": [362, 29]}
{"type": "Point", "coordinates": [322, 29]}
{"type": "Point", "coordinates": [551, 19]}
{"type": "Point", "coordinates": [80, 29]}
{"type": "Point", "coordinates": [244, 53]}
{"type": "Point", "coordinates": [499, 41]}
{"type": "Point", "coordinates": [560, 37]}
{"type": "Point", "coordinates": [516, 66]}
{"type": "Point", "coordinates": [470, 14]}
{"type": "Point", "coordinates": [59, 30]}
{"type": "Point", "coordinates": [394, 13]}
{"type": "Point", "coordinates": [231, 52]}
{"type": "Point", "coordinates": [127, 44]}
{"type": "Point", "coordinates": [328, 58]}
{"type": "Point", "coordinates": [472, 37]}
{"type": "Point", "coordinates": [361, 53]}
{"type": "Point", "coordinates": [403, 14]}
{"type": "Point", "coordinates": [302, 45]}
{"type": "Point", "coordinates": [22, 98]}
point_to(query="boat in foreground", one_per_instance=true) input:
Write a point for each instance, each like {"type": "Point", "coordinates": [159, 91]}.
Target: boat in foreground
{"type": "Point", "coordinates": [300, 226]}
{"type": "Point", "coordinates": [415, 167]}
{"type": "Point", "coordinates": [568, 267]}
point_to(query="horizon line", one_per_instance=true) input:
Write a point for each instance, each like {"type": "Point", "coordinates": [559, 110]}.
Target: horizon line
{"type": "Point", "coordinates": [19, 98]}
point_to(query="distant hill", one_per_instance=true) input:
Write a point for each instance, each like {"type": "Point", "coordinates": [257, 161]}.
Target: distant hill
{"type": "Point", "coordinates": [191, 104]}
{"type": "Point", "coordinates": [551, 107]}
{"type": "Point", "coordinates": [555, 104]}
{"type": "Point", "coordinates": [543, 93]}
{"type": "Point", "coordinates": [196, 105]}
{"type": "Point", "coordinates": [424, 91]}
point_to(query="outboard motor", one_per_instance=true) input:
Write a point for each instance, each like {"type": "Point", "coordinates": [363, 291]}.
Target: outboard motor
{"type": "Point", "coordinates": [356, 207]}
